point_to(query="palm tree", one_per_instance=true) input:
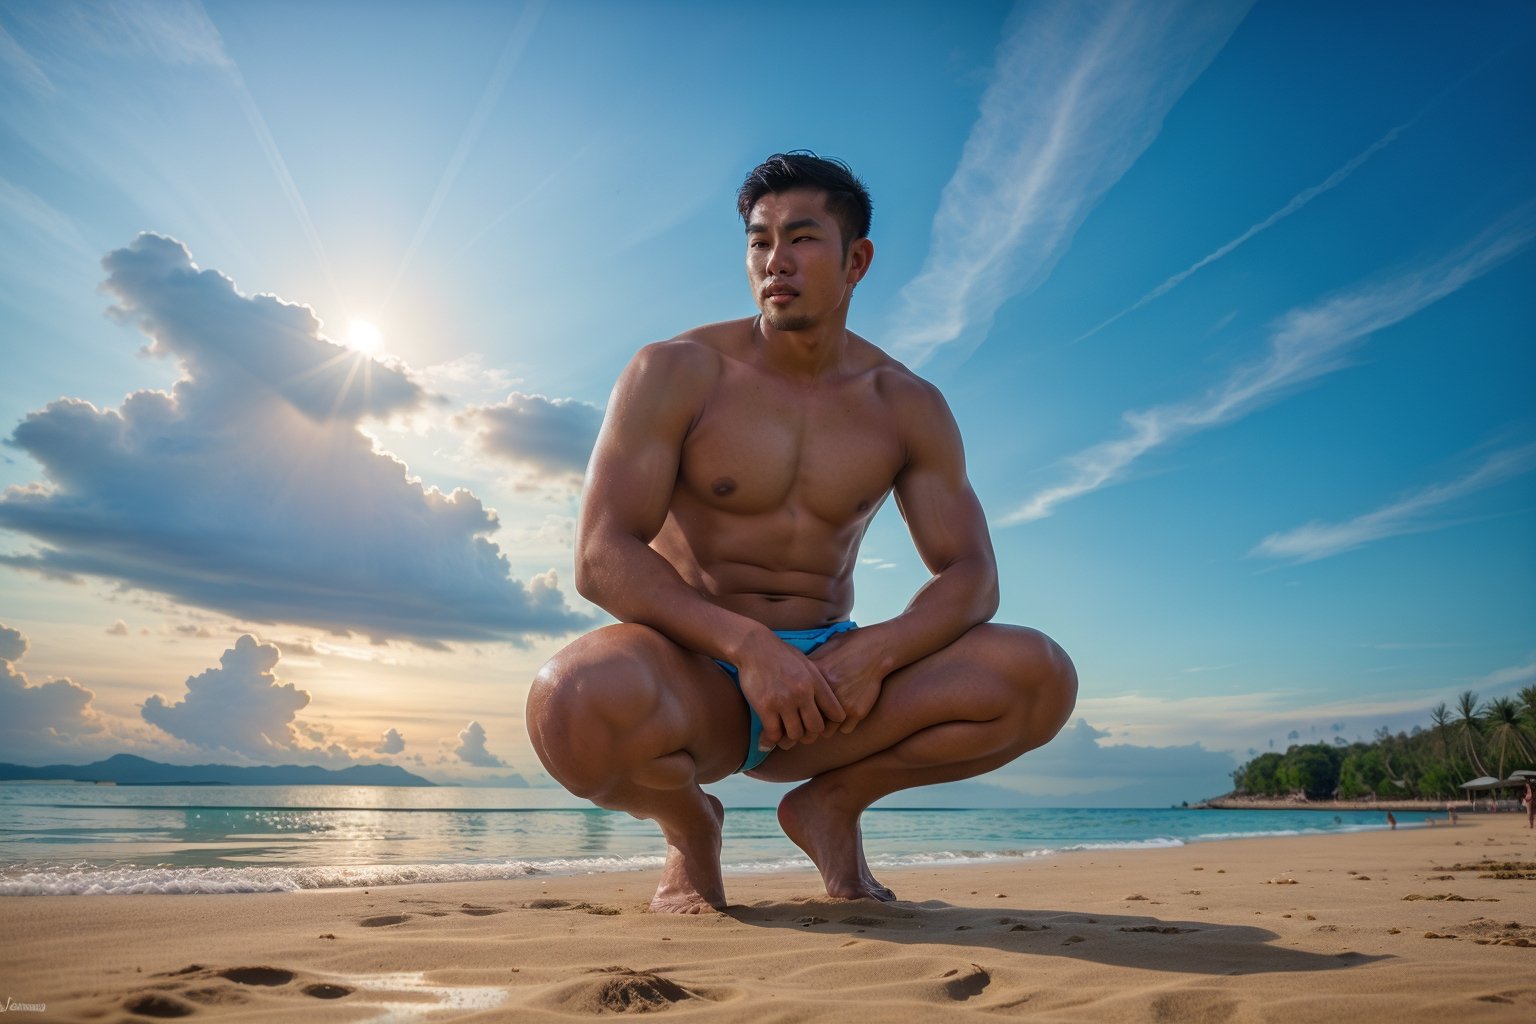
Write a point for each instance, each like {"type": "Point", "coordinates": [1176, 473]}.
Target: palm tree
{"type": "Point", "coordinates": [1469, 727]}
{"type": "Point", "coordinates": [1526, 698]}
{"type": "Point", "coordinates": [1440, 715]}
{"type": "Point", "coordinates": [1502, 715]}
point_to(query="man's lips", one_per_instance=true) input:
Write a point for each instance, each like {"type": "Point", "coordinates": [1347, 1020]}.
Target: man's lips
{"type": "Point", "coordinates": [779, 296]}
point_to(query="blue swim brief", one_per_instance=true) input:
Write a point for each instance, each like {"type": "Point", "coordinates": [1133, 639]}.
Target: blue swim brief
{"type": "Point", "coordinates": [803, 640]}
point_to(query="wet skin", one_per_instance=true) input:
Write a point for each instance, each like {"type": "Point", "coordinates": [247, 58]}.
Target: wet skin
{"type": "Point", "coordinates": [736, 472]}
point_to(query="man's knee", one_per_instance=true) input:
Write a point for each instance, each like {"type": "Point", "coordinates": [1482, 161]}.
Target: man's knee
{"type": "Point", "coordinates": [586, 699]}
{"type": "Point", "coordinates": [1039, 678]}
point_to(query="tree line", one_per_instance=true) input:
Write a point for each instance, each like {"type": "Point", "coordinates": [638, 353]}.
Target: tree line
{"type": "Point", "coordinates": [1472, 739]}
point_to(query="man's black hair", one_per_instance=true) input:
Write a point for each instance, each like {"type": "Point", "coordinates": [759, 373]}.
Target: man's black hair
{"type": "Point", "coordinates": [847, 198]}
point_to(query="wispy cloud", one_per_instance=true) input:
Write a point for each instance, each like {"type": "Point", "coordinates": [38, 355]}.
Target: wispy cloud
{"type": "Point", "coordinates": [21, 206]}
{"type": "Point", "coordinates": [1305, 344]}
{"type": "Point", "coordinates": [1080, 89]}
{"type": "Point", "coordinates": [1300, 199]}
{"type": "Point", "coordinates": [1297, 201]}
{"type": "Point", "coordinates": [1409, 514]}
{"type": "Point", "coordinates": [20, 62]}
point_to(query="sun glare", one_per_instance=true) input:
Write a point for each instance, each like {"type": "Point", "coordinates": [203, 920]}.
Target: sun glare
{"type": "Point", "coordinates": [364, 337]}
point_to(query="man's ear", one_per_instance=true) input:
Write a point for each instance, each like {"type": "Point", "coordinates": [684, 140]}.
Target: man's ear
{"type": "Point", "coordinates": [860, 255]}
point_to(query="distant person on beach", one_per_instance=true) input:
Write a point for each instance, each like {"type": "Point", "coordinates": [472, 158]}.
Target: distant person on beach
{"type": "Point", "coordinates": [737, 469]}
{"type": "Point", "coordinates": [1529, 800]}
{"type": "Point", "coordinates": [1392, 821]}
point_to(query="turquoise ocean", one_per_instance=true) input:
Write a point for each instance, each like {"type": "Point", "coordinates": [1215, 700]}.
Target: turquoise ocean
{"type": "Point", "coordinates": [87, 839]}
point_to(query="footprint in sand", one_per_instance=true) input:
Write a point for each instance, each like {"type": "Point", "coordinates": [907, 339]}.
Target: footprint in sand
{"type": "Point", "coordinates": [182, 998]}
{"type": "Point", "coordinates": [961, 986]}
{"type": "Point", "coordinates": [257, 975]}
{"type": "Point", "coordinates": [157, 1005]}
{"type": "Point", "coordinates": [383, 920]}
{"type": "Point", "coordinates": [474, 910]}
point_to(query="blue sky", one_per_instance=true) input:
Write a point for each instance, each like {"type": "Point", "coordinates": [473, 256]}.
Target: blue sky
{"type": "Point", "coordinates": [1233, 304]}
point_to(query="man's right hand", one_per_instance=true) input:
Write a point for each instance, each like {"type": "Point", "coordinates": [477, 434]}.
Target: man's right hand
{"type": "Point", "coordinates": [787, 691]}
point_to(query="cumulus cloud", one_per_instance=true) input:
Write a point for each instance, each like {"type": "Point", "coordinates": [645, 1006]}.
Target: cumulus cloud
{"type": "Point", "coordinates": [552, 437]}
{"type": "Point", "coordinates": [249, 487]}
{"type": "Point", "coordinates": [1079, 91]}
{"type": "Point", "coordinates": [13, 643]}
{"type": "Point", "coordinates": [239, 706]}
{"type": "Point", "coordinates": [118, 628]}
{"type": "Point", "coordinates": [391, 743]}
{"type": "Point", "coordinates": [1078, 753]}
{"type": "Point", "coordinates": [37, 720]}
{"type": "Point", "coordinates": [471, 748]}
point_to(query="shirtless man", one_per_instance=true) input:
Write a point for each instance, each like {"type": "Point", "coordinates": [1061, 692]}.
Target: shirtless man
{"type": "Point", "coordinates": [738, 467]}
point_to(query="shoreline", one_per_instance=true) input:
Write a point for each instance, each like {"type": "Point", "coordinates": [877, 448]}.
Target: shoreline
{"type": "Point", "coordinates": [1243, 803]}
{"type": "Point", "coordinates": [1375, 926]}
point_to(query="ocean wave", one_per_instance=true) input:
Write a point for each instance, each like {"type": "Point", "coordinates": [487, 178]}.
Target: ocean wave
{"type": "Point", "coordinates": [93, 880]}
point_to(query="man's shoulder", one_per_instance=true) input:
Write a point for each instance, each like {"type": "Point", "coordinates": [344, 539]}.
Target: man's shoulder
{"type": "Point", "coordinates": [698, 351]}
{"type": "Point", "coordinates": [896, 382]}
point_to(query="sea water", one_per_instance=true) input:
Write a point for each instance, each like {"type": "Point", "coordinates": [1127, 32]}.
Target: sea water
{"type": "Point", "coordinates": [90, 839]}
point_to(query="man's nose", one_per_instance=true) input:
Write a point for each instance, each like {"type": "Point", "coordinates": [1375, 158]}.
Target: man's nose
{"type": "Point", "coordinates": [780, 260]}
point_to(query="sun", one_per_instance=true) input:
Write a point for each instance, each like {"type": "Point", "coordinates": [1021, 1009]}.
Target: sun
{"type": "Point", "coordinates": [364, 337]}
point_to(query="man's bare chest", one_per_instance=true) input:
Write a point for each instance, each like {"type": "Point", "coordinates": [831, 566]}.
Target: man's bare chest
{"type": "Point", "coordinates": [759, 448]}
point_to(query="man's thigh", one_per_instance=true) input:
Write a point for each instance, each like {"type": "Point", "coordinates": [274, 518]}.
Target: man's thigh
{"type": "Point", "coordinates": [992, 672]}
{"type": "Point", "coordinates": [625, 694]}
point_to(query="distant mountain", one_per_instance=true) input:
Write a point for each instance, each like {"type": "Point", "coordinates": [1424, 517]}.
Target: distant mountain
{"type": "Point", "coordinates": [128, 770]}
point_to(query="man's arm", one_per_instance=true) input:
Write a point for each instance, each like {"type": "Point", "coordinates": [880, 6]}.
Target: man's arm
{"type": "Point", "coordinates": [949, 530]}
{"type": "Point", "coordinates": [630, 483]}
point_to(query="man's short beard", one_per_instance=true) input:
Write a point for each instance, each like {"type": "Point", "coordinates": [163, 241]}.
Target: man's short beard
{"type": "Point", "coordinates": [779, 322]}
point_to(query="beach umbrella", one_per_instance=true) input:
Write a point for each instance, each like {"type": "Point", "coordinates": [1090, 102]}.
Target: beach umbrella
{"type": "Point", "coordinates": [1479, 784]}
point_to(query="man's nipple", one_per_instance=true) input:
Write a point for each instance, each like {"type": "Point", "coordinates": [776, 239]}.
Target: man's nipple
{"type": "Point", "coordinates": [723, 486]}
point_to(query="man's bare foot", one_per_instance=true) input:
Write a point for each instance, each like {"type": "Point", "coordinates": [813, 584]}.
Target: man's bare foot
{"type": "Point", "coordinates": [690, 879]}
{"type": "Point", "coordinates": [830, 836]}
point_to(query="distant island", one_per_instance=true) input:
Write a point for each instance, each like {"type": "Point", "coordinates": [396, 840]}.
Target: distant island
{"type": "Point", "coordinates": [129, 770]}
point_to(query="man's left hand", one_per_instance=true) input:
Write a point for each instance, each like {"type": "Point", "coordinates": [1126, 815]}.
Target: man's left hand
{"type": "Point", "coordinates": [850, 663]}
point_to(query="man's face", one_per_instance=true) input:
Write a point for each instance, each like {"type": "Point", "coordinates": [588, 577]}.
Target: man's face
{"type": "Point", "coordinates": [795, 262]}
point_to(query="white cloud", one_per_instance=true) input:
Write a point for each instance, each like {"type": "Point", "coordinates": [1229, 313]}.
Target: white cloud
{"type": "Point", "coordinates": [240, 706]}
{"type": "Point", "coordinates": [471, 748]}
{"type": "Point", "coordinates": [118, 628]}
{"type": "Point", "coordinates": [38, 720]}
{"type": "Point", "coordinates": [1409, 514]}
{"type": "Point", "coordinates": [1305, 344]}
{"type": "Point", "coordinates": [1078, 764]}
{"type": "Point", "coordinates": [249, 487]}
{"type": "Point", "coordinates": [13, 643]}
{"type": "Point", "coordinates": [1080, 89]}
{"type": "Point", "coordinates": [1511, 676]}
{"type": "Point", "coordinates": [391, 743]}
{"type": "Point", "coordinates": [552, 437]}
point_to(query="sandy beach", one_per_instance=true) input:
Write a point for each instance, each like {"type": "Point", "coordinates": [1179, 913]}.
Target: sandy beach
{"type": "Point", "coordinates": [1411, 925]}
